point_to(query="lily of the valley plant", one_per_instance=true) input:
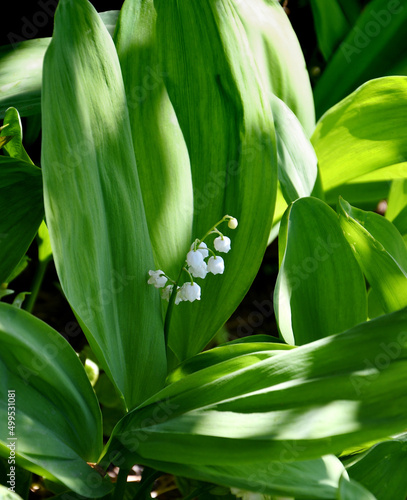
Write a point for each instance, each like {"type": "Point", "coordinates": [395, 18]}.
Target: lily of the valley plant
{"type": "Point", "coordinates": [156, 121]}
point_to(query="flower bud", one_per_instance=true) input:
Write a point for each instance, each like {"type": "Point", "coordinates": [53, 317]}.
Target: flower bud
{"type": "Point", "coordinates": [232, 224]}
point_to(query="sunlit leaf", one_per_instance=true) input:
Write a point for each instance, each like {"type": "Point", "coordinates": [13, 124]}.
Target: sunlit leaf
{"type": "Point", "coordinates": [320, 398]}
{"type": "Point", "coordinates": [381, 253]}
{"type": "Point", "coordinates": [320, 289]}
{"type": "Point", "coordinates": [228, 129]}
{"type": "Point", "coordinates": [364, 134]}
{"type": "Point", "coordinates": [94, 207]}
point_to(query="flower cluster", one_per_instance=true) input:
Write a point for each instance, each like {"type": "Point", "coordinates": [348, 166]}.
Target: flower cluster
{"type": "Point", "coordinates": [200, 261]}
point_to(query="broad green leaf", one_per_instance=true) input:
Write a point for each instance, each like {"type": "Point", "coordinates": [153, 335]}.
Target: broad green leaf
{"type": "Point", "coordinates": [351, 9]}
{"type": "Point", "coordinates": [331, 25]}
{"type": "Point", "coordinates": [380, 251]}
{"type": "Point", "coordinates": [93, 203]}
{"type": "Point", "coordinates": [373, 46]}
{"type": "Point", "coordinates": [366, 195]}
{"type": "Point", "coordinates": [4, 139]}
{"type": "Point", "coordinates": [352, 490]}
{"type": "Point", "coordinates": [397, 205]}
{"type": "Point", "coordinates": [278, 56]}
{"type": "Point", "coordinates": [297, 162]}
{"type": "Point", "coordinates": [323, 397]}
{"type": "Point", "coordinates": [382, 469]}
{"type": "Point", "coordinates": [18, 269]}
{"type": "Point", "coordinates": [109, 19]}
{"type": "Point", "coordinates": [23, 478]}
{"type": "Point", "coordinates": [20, 76]}
{"type": "Point", "coordinates": [57, 418]}
{"type": "Point", "coordinates": [159, 145]}
{"type": "Point", "coordinates": [223, 353]}
{"type": "Point", "coordinates": [313, 479]}
{"type": "Point", "coordinates": [21, 71]}
{"type": "Point", "coordinates": [397, 199]}
{"type": "Point", "coordinates": [14, 147]}
{"type": "Point", "coordinates": [400, 222]}
{"type": "Point", "coordinates": [320, 288]}
{"type": "Point", "coordinates": [364, 133]}
{"type": "Point", "coordinates": [374, 304]}
{"type": "Point", "coordinates": [22, 210]}
{"type": "Point", "coordinates": [224, 114]}
{"type": "Point", "coordinates": [6, 494]}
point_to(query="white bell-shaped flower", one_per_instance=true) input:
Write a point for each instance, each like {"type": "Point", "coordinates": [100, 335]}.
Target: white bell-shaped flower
{"type": "Point", "coordinates": [202, 248]}
{"type": "Point", "coordinates": [216, 265]}
{"type": "Point", "coordinates": [222, 244]}
{"type": "Point", "coordinates": [194, 258]}
{"type": "Point", "coordinates": [247, 495]}
{"type": "Point", "coordinates": [199, 271]}
{"type": "Point", "coordinates": [166, 292]}
{"type": "Point", "coordinates": [157, 278]}
{"type": "Point", "coordinates": [191, 291]}
{"type": "Point", "coordinates": [180, 295]}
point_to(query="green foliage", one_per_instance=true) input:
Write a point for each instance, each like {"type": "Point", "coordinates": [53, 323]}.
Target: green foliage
{"type": "Point", "coordinates": [102, 250]}
{"type": "Point", "coordinates": [172, 123]}
{"type": "Point", "coordinates": [320, 289]}
{"type": "Point", "coordinates": [57, 423]}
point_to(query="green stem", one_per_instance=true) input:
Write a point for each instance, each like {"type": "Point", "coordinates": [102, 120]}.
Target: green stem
{"type": "Point", "coordinates": [170, 308]}
{"type": "Point", "coordinates": [36, 285]}
{"type": "Point", "coordinates": [121, 484]}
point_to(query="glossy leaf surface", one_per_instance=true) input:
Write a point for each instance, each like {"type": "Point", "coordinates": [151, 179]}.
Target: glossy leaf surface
{"type": "Point", "coordinates": [21, 71]}
{"type": "Point", "coordinates": [224, 116]}
{"type": "Point", "coordinates": [364, 134]}
{"type": "Point", "coordinates": [297, 161]}
{"type": "Point", "coordinates": [93, 202]}
{"type": "Point", "coordinates": [381, 253]}
{"type": "Point", "coordinates": [22, 209]}
{"type": "Point", "coordinates": [57, 418]}
{"type": "Point", "coordinates": [320, 289]}
{"type": "Point", "coordinates": [159, 146]}
{"type": "Point", "coordinates": [323, 396]}
{"type": "Point", "coordinates": [278, 56]}
{"type": "Point", "coordinates": [384, 460]}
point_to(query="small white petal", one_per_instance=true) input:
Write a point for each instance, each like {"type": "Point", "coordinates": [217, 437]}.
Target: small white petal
{"type": "Point", "coordinates": [192, 291]}
{"type": "Point", "coordinates": [216, 265]}
{"type": "Point", "coordinates": [194, 258]}
{"type": "Point", "coordinates": [222, 244]}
